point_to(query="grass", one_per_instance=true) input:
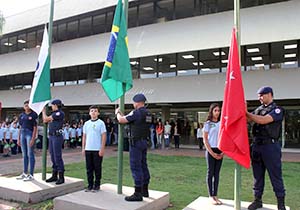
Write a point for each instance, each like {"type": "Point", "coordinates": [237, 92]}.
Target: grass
{"type": "Point", "coordinates": [184, 178]}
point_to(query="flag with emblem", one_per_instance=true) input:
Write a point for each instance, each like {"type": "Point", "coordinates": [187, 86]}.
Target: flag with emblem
{"type": "Point", "coordinates": [233, 135]}
{"type": "Point", "coordinates": [116, 75]}
{"type": "Point", "coordinates": [40, 93]}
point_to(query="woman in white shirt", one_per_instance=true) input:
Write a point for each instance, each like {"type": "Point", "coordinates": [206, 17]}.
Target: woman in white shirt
{"type": "Point", "coordinates": [214, 156]}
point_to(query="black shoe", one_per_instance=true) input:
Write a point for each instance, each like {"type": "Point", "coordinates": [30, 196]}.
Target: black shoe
{"type": "Point", "coordinates": [280, 203]}
{"type": "Point", "coordinates": [136, 196]}
{"type": "Point", "coordinates": [256, 204]}
{"type": "Point", "coordinates": [61, 178]}
{"type": "Point", "coordinates": [53, 178]}
{"type": "Point", "coordinates": [88, 189]}
{"type": "Point", "coordinates": [96, 189]}
{"type": "Point", "coordinates": [145, 191]}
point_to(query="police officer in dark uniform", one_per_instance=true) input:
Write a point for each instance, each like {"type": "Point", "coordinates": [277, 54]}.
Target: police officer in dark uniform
{"type": "Point", "coordinates": [265, 149]}
{"type": "Point", "coordinates": [139, 121]}
{"type": "Point", "coordinates": [56, 141]}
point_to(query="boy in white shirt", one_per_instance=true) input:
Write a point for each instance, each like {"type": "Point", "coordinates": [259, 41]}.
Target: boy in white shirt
{"type": "Point", "coordinates": [93, 146]}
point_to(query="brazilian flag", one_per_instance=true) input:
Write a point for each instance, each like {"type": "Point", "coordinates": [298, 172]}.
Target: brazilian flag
{"type": "Point", "coordinates": [116, 75]}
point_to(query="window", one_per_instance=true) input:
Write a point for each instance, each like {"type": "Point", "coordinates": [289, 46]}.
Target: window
{"type": "Point", "coordinates": [72, 29]}
{"type": "Point", "coordinates": [85, 28]}
{"type": "Point", "coordinates": [62, 32]}
{"type": "Point", "coordinates": [99, 24]}
{"type": "Point", "coordinates": [148, 67]}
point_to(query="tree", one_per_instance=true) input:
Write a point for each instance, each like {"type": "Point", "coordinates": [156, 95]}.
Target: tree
{"type": "Point", "coordinates": [2, 22]}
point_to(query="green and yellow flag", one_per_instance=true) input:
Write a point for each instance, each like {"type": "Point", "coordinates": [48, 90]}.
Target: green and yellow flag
{"type": "Point", "coordinates": [116, 75]}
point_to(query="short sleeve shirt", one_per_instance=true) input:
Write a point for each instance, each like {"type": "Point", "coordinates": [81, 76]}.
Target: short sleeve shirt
{"type": "Point", "coordinates": [93, 131]}
{"type": "Point", "coordinates": [58, 119]}
{"type": "Point", "coordinates": [276, 114]}
{"type": "Point", "coordinates": [28, 121]}
{"type": "Point", "coordinates": [212, 128]}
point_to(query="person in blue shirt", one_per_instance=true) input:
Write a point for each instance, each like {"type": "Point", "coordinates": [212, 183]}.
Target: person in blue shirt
{"type": "Point", "coordinates": [56, 140]}
{"type": "Point", "coordinates": [93, 146]}
{"type": "Point", "coordinates": [139, 121]}
{"type": "Point", "coordinates": [14, 133]}
{"type": "Point", "coordinates": [265, 148]}
{"type": "Point", "coordinates": [26, 139]}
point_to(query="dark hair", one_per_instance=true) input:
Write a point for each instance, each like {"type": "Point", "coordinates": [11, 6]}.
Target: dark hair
{"type": "Point", "coordinates": [94, 107]}
{"type": "Point", "coordinates": [26, 102]}
{"type": "Point", "coordinates": [210, 112]}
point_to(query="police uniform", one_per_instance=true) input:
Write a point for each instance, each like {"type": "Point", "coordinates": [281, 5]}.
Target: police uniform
{"type": "Point", "coordinates": [139, 122]}
{"type": "Point", "coordinates": [56, 141]}
{"type": "Point", "coordinates": [266, 151]}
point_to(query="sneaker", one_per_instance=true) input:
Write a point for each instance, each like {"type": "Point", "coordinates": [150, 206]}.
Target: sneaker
{"type": "Point", "coordinates": [22, 176]}
{"type": "Point", "coordinates": [29, 177]}
{"type": "Point", "coordinates": [96, 189]}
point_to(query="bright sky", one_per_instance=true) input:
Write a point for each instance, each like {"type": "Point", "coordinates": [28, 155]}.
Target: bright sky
{"type": "Point", "coordinates": [11, 7]}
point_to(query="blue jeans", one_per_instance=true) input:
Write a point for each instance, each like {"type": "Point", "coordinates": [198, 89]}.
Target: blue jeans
{"type": "Point", "coordinates": [27, 151]}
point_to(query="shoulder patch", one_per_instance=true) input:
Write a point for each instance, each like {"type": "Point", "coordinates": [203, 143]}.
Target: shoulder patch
{"type": "Point", "coordinates": [130, 114]}
{"type": "Point", "coordinates": [29, 118]}
{"type": "Point", "coordinates": [57, 113]}
{"type": "Point", "coordinates": [277, 111]}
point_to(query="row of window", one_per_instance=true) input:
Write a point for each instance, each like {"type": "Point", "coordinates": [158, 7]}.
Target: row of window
{"type": "Point", "coordinates": [140, 13]}
{"type": "Point", "coordinates": [277, 55]}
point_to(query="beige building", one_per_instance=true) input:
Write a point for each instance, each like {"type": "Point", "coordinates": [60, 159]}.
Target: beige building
{"type": "Point", "coordinates": [178, 51]}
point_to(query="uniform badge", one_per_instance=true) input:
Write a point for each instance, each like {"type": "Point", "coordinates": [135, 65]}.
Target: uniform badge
{"type": "Point", "coordinates": [29, 118]}
{"type": "Point", "coordinates": [57, 113]}
{"type": "Point", "coordinates": [277, 111]}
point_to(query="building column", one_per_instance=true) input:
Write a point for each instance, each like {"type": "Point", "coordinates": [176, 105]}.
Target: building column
{"type": "Point", "coordinates": [165, 113]}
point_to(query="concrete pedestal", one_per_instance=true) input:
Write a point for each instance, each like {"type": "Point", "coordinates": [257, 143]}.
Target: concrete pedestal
{"type": "Point", "coordinates": [108, 199]}
{"type": "Point", "coordinates": [37, 190]}
{"type": "Point", "coordinates": [203, 203]}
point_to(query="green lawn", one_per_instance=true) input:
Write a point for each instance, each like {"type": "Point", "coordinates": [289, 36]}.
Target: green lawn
{"type": "Point", "coordinates": [184, 178]}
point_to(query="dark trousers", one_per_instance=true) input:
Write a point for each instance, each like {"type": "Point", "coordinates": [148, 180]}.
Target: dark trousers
{"type": "Point", "coordinates": [213, 172]}
{"type": "Point", "coordinates": [176, 139]}
{"type": "Point", "coordinates": [138, 163]}
{"type": "Point", "coordinates": [93, 165]}
{"type": "Point", "coordinates": [200, 143]}
{"type": "Point", "coordinates": [14, 148]}
{"type": "Point", "coordinates": [267, 157]}
{"type": "Point", "coordinates": [55, 149]}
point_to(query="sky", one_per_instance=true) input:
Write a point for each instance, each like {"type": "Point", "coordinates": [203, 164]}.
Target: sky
{"type": "Point", "coordinates": [12, 7]}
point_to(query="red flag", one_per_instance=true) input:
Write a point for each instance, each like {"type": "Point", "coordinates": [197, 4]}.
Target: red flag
{"type": "Point", "coordinates": [233, 136]}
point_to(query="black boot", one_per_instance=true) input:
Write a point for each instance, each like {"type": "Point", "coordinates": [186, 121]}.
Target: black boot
{"type": "Point", "coordinates": [136, 196]}
{"type": "Point", "coordinates": [256, 204]}
{"type": "Point", "coordinates": [145, 192]}
{"type": "Point", "coordinates": [61, 178]}
{"type": "Point", "coordinates": [280, 203]}
{"type": "Point", "coordinates": [53, 178]}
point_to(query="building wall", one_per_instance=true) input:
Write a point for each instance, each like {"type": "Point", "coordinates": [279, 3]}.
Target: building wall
{"type": "Point", "coordinates": [267, 23]}
{"type": "Point", "coordinates": [200, 88]}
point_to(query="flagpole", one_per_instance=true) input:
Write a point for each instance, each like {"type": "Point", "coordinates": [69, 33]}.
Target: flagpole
{"type": "Point", "coordinates": [237, 174]}
{"type": "Point", "coordinates": [121, 126]}
{"type": "Point", "coordinates": [44, 152]}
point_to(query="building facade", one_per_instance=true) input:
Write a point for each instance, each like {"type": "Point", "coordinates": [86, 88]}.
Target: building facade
{"type": "Point", "coordinates": [178, 53]}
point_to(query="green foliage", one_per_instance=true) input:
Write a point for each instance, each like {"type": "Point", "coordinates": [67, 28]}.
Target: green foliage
{"type": "Point", "coordinates": [2, 22]}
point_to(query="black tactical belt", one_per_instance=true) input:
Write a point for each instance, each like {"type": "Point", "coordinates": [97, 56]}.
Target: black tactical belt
{"type": "Point", "coordinates": [264, 141]}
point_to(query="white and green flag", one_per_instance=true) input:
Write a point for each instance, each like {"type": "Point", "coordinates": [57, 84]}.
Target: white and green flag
{"type": "Point", "coordinates": [40, 92]}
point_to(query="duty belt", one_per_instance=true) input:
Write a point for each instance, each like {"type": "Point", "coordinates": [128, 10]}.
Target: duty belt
{"type": "Point", "coordinates": [56, 133]}
{"type": "Point", "coordinates": [262, 141]}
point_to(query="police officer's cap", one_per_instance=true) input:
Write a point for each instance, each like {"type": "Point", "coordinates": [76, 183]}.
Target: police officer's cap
{"type": "Point", "coordinates": [265, 90]}
{"type": "Point", "coordinates": [56, 102]}
{"type": "Point", "coordinates": [140, 97]}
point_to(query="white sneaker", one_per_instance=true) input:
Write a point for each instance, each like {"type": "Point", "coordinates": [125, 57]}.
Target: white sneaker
{"type": "Point", "coordinates": [22, 176]}
{"type": "Point", "coordinates": [29, 177]}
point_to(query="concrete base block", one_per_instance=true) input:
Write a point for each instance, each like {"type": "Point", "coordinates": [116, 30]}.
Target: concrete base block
{"type": "Point", "coordinates": [108, 199]}
{"type": "Point", "coordinates": [37, 190]}
{"type": "Point", "coordinates": [204, 203]}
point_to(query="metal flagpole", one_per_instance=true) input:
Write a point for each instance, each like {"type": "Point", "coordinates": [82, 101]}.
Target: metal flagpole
{"type": "Point", "coordinates": [44, 153]}
{"type": "Point", "coordinates": [121, 126]}
{"type": "Point", "coordinates": [237, 172]}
